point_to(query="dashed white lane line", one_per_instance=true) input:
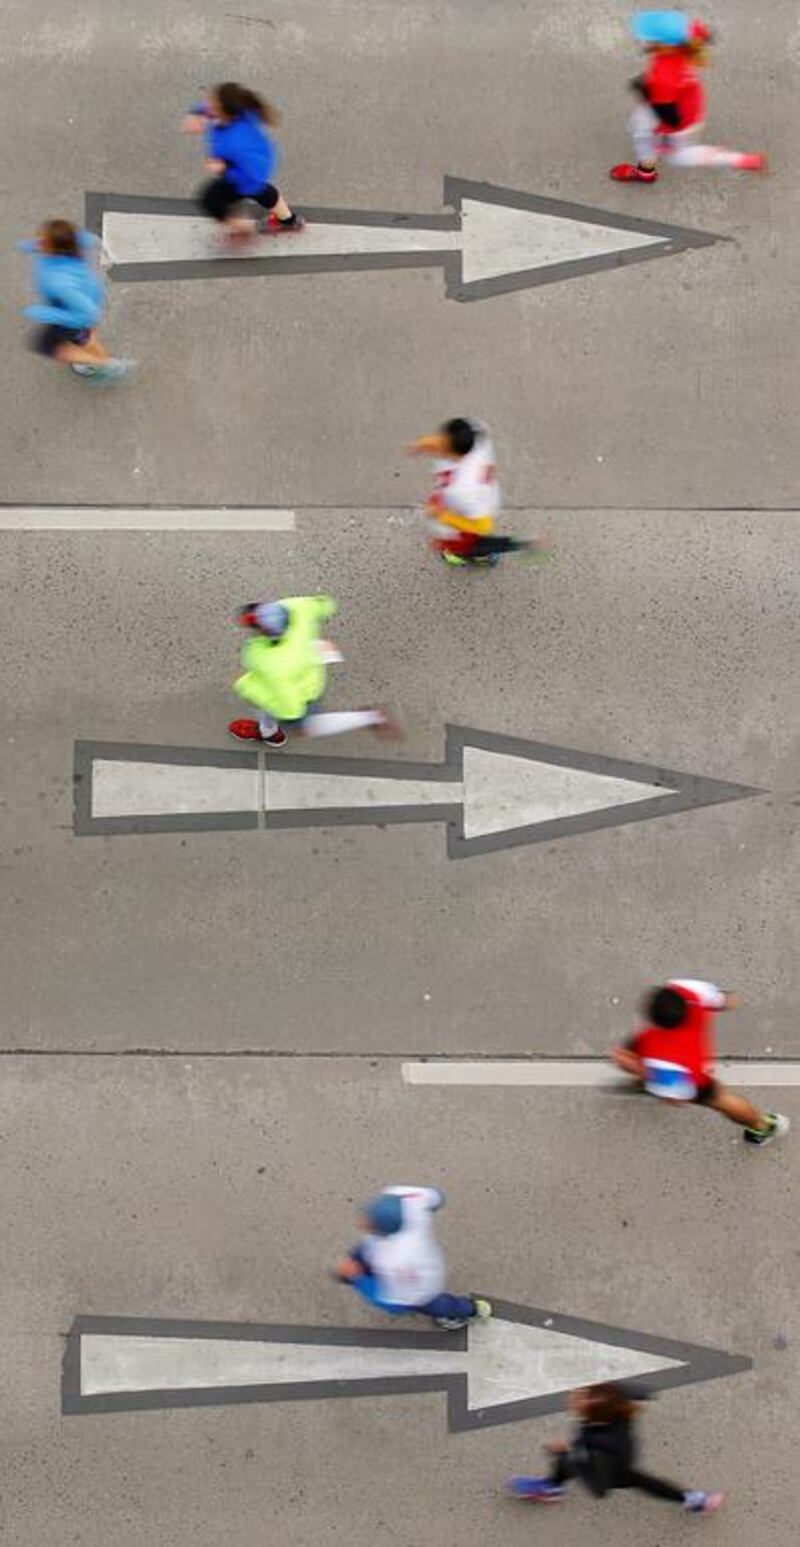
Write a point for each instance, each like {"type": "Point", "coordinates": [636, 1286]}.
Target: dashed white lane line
{"type": "Point", "coordinates": [580, 1072]}
{"type": "Point", "coordinates": [138, 518]}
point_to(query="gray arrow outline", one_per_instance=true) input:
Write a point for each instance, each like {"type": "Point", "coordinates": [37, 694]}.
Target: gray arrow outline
{"type": "Point", "coordinates": [675, 239]}
{"type": "Point", "coordinates": [691, 791]}
{"type": "Point", "coordinates": [698, 1363]}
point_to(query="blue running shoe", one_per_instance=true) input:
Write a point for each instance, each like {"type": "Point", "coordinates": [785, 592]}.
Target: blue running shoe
{"type": "Point", "coordinates": [699, 1503]}
{"type": "Point", "coordinates": [538, 1489]}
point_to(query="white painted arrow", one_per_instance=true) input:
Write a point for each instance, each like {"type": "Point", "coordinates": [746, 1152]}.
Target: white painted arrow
{"type": "Point", "coordinates": [491, 791]}
{"type": "Point", "coordinates": [520, 1363]}
{"type": "Point", "coordinates": [497, 240]}
{"type": "Point", "coordinates": [503, 1361]}
{"type": "Point", "coordinates": [492, 241]}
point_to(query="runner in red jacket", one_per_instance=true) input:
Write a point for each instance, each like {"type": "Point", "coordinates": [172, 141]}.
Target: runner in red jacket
{"type": "Point", "coordinates": [672, 1056]}
{"type": "Point", "coordinates": [671, 106]}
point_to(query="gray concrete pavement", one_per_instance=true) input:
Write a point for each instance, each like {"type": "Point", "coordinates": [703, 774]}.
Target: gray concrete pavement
{"type": "Point", "coordinates": [678, 374]}
{"type": "Point", "coordinates": [181, 1188]}
{"type": "Point", "coordinates": [646, 418]}
{"type": "Point", "coordinates": [644, 639]}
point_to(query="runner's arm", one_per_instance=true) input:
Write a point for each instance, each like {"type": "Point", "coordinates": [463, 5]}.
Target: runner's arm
{"type": "Point", "coordinates": [626, 1058]}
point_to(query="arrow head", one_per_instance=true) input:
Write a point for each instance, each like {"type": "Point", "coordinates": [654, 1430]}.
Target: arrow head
{"type": "Point", "coordinates": [524, 1362]}
{"type": "Point", "coordinates": [512, 240]}
{"type": "Point", "coordinates": [518, 792]}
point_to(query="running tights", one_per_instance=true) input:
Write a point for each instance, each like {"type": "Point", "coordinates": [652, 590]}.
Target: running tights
{"type": "Point", "coordinates": [649, 144]}
{"type": "Point", "coordinates": [601, 1479]}
{"type": "Point", "coordinates": [334, 723]}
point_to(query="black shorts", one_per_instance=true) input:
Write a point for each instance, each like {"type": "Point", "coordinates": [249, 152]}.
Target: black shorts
{"type": "Point", "coordinates": [219, 197]}
{"type": "Point", "coordinates": [46, 340]}
{"type": "Point", "coordinates": [706, 1093]}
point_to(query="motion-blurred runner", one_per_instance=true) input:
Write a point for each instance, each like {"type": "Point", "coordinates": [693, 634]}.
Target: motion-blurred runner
{"type": "Point", "coordinates": [671, 101]}
{"type": "Point", "coordinates": [242, 157]}
{"type": "Point", "coordinates": [602, 1453]}
{"type": "Point", "coordinates": [398, 1265]}
{"type": "Point", "coordinates": [466, 496]}
{"type": "Point", "coordinates": [285, 663]}
{"type": "Point", "coordinates": [672, 1056]}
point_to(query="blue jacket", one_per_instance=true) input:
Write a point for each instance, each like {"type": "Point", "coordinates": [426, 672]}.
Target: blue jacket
{"type": "Point", "coordinates": [248, 152]}
{"type": "Point", "coordinates": [70, 290]}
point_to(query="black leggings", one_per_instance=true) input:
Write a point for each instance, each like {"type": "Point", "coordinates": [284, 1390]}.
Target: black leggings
{"type": "Point", "coordinates": [484, 546]}
{"type": "Point", "coordinates": [218, 198]}
{"type": "Point", "coordinates": [600, 1475]}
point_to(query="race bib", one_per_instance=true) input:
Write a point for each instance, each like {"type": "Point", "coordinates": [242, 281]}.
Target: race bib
{"type": "Point", "coordinates": [672, 1082]}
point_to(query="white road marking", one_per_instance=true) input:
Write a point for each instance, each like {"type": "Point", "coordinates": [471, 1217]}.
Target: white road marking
{"type": "Point", "coordinates": [317, 791]}
{"type": "Point", "coordinates": [161, 789]}
{"type": "Point", "coordinates": [498, 239]}
{"type": "Point", "coordinates": [110, 1362]}
{"type": "Point", "coordinates": [504, 792]}
{"type": "Point", "coordinates": [143, 238]}
{"type": "Point", "coordinates": [116, 518]}
{"type": "Point", "coordinates": [504, 1362]}
{"type": "Point", "coordinates": [499, 793]}
{"type": "Point", "coordinates": [495, 240]}
{"type": "Point", "coordinates": [577, 1073]}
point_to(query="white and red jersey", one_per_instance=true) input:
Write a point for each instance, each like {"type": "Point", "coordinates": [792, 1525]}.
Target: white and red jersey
{"type": "Point", "coordinates": [467, 488]}
{"type": "Point", "coordinates": [678, 1063]}
{"type": "Point", "coordinates": [409, 1265]}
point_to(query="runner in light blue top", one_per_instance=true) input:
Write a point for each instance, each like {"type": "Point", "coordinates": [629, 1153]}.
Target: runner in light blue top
{"type": "Point", "coordinates": [70, 294]}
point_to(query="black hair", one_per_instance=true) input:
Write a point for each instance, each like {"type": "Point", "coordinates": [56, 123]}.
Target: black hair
{"type": "Point", "coordinates": [235, 100]}
{"type": "Point", "coordinates": [666, 1008]}
{"type": "Point", "coordinates": [461, 434]}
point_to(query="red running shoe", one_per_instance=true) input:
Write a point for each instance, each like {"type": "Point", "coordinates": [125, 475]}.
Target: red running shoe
{"type": "Point", "coordinates": [272, 226]}
{"type": "Point", "coordinates": [626, 172]}
{"type": "Point", "coordinates": [247, 730]}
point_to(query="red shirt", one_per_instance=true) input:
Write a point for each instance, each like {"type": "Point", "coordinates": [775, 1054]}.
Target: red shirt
{"type": "Point", "coordinates": [670, 77]}
{"type": "Point", "coordinates": [689, 1047]}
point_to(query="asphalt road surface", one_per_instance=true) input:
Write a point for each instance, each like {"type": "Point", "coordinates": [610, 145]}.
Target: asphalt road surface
{"type": "Point", "coordinates": [220, 971]}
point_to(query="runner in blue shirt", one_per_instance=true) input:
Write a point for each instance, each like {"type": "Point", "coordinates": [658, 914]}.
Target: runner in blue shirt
{"type": "Point", "coordinates": [242, 157]}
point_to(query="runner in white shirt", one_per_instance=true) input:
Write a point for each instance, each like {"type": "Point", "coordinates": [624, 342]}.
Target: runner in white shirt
{"type": "Point", "coordinates": [466, 497]}
{"type": "Point", "coordinates": [398, 1264]}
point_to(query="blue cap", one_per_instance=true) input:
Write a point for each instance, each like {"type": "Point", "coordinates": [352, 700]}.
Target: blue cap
{"type": "Point", "coordinates": [384, 1214]}
{"type": "Point", "coordinates": [272, 618]}
{"type": "Point", "coordinates": [670, 28]}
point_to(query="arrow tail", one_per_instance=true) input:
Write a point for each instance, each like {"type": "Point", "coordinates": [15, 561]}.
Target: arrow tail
{"type": "Point", "coordinates": [121, 788]}
{"type": "Point", "coordinates": [118, 1364]}
{"type": "Point", "coordinates": [151, 239]}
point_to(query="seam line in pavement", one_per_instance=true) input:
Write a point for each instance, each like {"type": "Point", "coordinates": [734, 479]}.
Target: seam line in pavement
{"type": "Point", "coordinates": [551, 1067]}
{"type": "Point", "coordinates": [8, 507]}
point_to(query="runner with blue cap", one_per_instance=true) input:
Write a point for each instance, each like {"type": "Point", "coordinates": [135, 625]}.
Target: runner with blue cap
{"type": "Point", "coordinates": [671, 101]}
{"type": "Point", "coordinates": [398, 1265]}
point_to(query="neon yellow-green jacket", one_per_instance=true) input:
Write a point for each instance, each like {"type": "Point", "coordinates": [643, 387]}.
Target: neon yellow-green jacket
{"type": "Point", "coordinates": [284, 676]}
